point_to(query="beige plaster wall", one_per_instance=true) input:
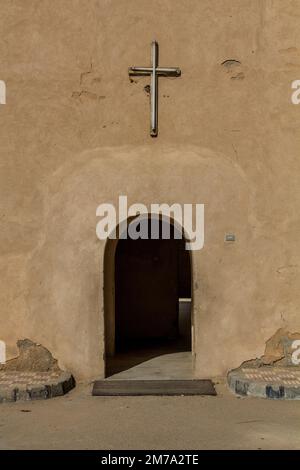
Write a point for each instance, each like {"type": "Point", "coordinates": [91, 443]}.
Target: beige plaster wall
{"type": "Point", "coordinates": [75, 133]}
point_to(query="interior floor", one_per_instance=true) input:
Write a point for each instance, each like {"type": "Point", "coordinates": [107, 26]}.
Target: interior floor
{"type": "Point", "coordinates": [147, 356]}
{"type": "Point", "coordinates": [167, 366]}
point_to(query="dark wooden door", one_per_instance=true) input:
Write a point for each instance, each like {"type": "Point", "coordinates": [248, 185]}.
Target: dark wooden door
{"type": "Point", "coordinates": [146, 289]}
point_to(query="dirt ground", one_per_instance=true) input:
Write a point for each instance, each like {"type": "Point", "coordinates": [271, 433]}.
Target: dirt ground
{"type": "Point", "coordinates": [80, 421]}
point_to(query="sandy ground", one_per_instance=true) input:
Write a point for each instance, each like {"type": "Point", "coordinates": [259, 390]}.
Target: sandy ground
{"type": "Point", "coordinates": [80, 421]}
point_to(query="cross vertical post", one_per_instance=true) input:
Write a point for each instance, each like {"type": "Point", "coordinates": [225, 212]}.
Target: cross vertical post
{"type": "Point", "coordinates": [154, 94]}
{"type": "Point", "coordinates": [154, 71]}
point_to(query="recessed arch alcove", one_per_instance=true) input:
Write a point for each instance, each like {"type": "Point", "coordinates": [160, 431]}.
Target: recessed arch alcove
{"type": "Point", "coordinates": [67, 315]}
{"type": "Point", "coordinates": [147, 294]}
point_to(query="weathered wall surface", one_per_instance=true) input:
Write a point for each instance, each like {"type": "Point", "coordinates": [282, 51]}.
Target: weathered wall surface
{"type": "Point", "coordinates": [74, 133]}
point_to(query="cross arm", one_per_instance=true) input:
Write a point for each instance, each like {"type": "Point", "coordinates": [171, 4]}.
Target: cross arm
{"type": "Point", "coordinates": [139, 71]}
{"type": "Point", "coordinates": [162, 71]}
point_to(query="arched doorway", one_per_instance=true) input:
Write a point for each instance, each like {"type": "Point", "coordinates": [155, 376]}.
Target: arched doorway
{"type": "Point", "coordinates": [148, 297]}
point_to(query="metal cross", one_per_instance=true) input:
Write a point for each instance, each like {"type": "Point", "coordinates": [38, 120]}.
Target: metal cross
{"type": "Point", "coordinates": [155, 71]}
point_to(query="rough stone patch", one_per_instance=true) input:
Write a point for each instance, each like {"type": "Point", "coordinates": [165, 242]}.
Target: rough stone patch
{"type": "Point", "coordinates": [32, 357]}
{"type": "Point", "coordinates": [273, 375]}
{"type": "Point", "coordinates": [279, 348]}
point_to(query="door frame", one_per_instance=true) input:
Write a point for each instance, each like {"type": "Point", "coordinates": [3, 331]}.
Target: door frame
{"type": "Point", "coordinates": [109, 286]}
